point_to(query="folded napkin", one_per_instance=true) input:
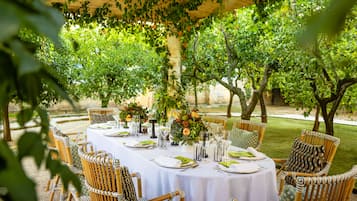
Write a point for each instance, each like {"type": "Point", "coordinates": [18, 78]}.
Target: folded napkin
{"type": "Point", "coordinates": [168, 161]}
{"type": "Point", "coordinates": [184, 160]}
{"type": "Point", "coordinates": [228, 164]}
{"type": "Point", "coordinates": [244, 168]}
{"type": "Point", "coordinates": [238, 154]}
{"type": "Point", "coordinates": [116, 133]}
{"type": "Point", "coordinates": [147, 142]}
{"type": "Point", "coordinates": [131, 143]}
{"type": "Point", "coordinates": [101, 125]}
{"type": "Point", "coordinates": [143, 143]}
{"type": "Point", "coordinates": [258, 155]}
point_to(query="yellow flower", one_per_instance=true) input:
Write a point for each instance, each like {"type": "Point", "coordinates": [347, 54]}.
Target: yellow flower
{"type": "Point", "coordinates": [186, 131]}
{"type": "Point", "coordinates": [128, 118]}
{"type": "Point", "coordinates": [195, 114]}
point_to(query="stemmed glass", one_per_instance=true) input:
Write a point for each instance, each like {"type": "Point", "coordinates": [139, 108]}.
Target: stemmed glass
{"type": "Point", "coordinates": [116, 118]}
{"type": "Point", "coordinates": [164, 134]}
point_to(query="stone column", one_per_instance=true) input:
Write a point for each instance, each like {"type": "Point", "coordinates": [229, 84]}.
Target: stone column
{"type": "Point", "coordinates": [174, 46]}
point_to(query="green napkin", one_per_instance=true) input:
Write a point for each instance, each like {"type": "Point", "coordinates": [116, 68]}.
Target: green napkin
{"type": "Point", "coordinates": [237, 154]}
{"type": "Point", "coordinates": [227, 164]}
{"type": "Point", "coordinates": [184, 160]}
{"type": "Point", "coordinates": [147, 142]}
{"type": "Point", "coordinates": [123, 133]}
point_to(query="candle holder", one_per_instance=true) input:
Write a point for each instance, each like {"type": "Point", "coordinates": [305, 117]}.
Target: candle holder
{"type": "Point", "coordinates": [153, 121]}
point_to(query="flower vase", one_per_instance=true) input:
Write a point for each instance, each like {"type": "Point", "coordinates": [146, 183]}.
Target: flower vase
{"type": "Point", "coordinates": [187, 148]}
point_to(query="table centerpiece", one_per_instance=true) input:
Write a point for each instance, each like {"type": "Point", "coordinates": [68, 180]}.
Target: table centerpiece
{"type": "Point", "coordinates": [186, 128]}
{"type": "Point", "coordinates": [133, 110]}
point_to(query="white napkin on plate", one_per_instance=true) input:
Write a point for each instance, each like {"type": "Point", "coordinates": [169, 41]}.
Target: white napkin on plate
{"type": "Point", "coordinates": [244, 168]}
{"type": "Point", "coordinates": [100, 125]}
{"type": "Point", "coordinates": [131, 143]}
{"type": "Point", "coordinates": [116, 133]}
{"type": "Point", "coordinates": [258, 155]}
{"type": "Point", "coordinates": [167, 161]}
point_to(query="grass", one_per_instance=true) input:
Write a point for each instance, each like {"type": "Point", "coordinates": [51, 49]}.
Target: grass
{"type": "Point", "coordinates": [280, 134]}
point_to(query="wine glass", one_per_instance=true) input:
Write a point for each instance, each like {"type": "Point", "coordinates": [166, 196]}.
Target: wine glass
{"type": "Point", "coordinates": [164, 132]}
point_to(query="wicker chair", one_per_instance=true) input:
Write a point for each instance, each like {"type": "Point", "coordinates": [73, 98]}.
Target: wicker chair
{"type": "Point", "coordinates": [252, 126]}
{"type": "Point", "coordinates": [216, 120]}
{"type": "Point", "coordinates": [68, 154]}
{"type": "Point", "coordinates": [325, 188]}
{"type": "Point", "coordinates": [330, 144]}
{"type": "Point", "coordinates": [101, 115]}
{"type": "Point", "coordinates": [51, 145]}
{"type": "Point", "coordinates": [105, 180]}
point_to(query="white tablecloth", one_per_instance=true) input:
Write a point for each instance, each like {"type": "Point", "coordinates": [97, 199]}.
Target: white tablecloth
{"type": "Point", "coordinates": [203, 183]}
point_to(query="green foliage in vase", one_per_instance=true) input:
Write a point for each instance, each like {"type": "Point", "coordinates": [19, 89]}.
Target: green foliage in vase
{"type": "Point", "coordinates": [186, 128]}
{"type": "Point", "coordinates": [133, 109]}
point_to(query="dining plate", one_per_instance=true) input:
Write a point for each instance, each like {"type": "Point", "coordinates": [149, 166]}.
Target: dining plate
{"type": "Point", "coordinates": [241, 168]}
{"type": "Point", "coordinates": [100, 126]}
{"type": "Point", "coordinates": [178, 162]}
{"type": "Point", "coordinates": [117, 134]}
{"type": "Point", "coordinates": [246, 155]}
{"type": "Point", "coordinates": [140, 144]}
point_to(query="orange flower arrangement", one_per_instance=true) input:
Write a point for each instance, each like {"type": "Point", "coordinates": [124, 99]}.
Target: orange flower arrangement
{"type": "Point", "coordinates": [186, 127]}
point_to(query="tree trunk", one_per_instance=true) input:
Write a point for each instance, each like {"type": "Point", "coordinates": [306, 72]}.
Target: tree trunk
{"type": "Point", "coordinates": [195, 90]}
{"type": "Point", "coordinates": [328, 118]}
{"type": "Point", "coordinates": [317, 122]}
{"type": "Point", "coordinates": [207, 95]}
{"type": "Point", "coordinates": [105, 102]}
{"type": "Point", "coordinates": [229, 107]}
{"type": "Point", "coordinates": [263, 109]}
{"type": "Point", "coordinates": [6, 123]}
{"type": "Point", "coordinates": [245, 115]}
{"type": "Point", "coordinates": [329, 126]}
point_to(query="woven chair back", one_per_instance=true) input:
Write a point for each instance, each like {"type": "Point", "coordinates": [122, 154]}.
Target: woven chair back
{"type": "Point", "coordinates": [326, 188]}
{"type": "Point", "coordinates": [252, 126]}
{"type": "Point", "coordinates": [329, 142]}
{"type": "Point", "coordinates": [216, 120]}
{"type": "Point", "coordinates": [62, 144]}
{"type": "Point", "coordinates": [93, 113]}
{"type": "Point", "coordinates": [102, 174]}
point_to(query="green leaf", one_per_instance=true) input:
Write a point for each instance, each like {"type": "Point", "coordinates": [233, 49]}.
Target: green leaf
{"type": "Point", "coordinates": [25, 60]}
{"type": "Point", "coordinates": [329, 21]}
{"type": "Point", "coordinates": [53, 165]}
{"type": "Point", "coordinates": [44, 120]}
{"type": "Point", "coordinates": [9, 19]}
{"type": "Point", "coordinates": [30, 144]}
{"type": "Point", "coordinates": [68, 176]}
{"type": "Point", "coordinates": [24, 116]}
{"type": "Point", "coordinates": [44, 26]}
{"type": "Point", "coordinates": [13, 177]}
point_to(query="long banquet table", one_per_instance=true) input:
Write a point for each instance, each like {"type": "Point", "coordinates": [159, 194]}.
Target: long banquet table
{"type": "Point", "coordinates": [203, 183]}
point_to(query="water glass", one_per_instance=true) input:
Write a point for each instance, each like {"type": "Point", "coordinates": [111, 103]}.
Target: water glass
{"type": "Point", "coordinates": [197, 148]}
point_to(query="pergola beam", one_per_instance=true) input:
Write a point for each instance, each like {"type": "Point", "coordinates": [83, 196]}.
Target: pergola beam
{"type": "Point", "coordinates": [207, 8]}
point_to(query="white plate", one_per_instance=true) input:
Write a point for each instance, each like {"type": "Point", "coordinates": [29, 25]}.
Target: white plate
{"type": "Point", "coordinates": [258, 156]}
{"type": "Point", "coordinates": [101, 126]}
{"type": "Point", "coordinates": [241, 168]}
{"type": "Point", "coordinates": [117, 134]}
{"type": "Point", "coordinates": [136, 144]}
{"type": "Point", "coordinates": [169, 162]}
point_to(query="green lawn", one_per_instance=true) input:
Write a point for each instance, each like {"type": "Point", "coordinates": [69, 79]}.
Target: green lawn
{"type": "Point", "coordinates": [281, 132]}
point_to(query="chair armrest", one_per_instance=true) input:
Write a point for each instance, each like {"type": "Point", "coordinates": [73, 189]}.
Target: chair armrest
{"type": "Point", "coordinates": [169, 196]}
{"type": "Point", "coordinates": [279, 160]}
{"type": "Point", "coordinates": [282, 176]}
{"type": "Point", "coordinates": [71, 133]}
{"type": "Point", "coordinates": [138, 182]}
